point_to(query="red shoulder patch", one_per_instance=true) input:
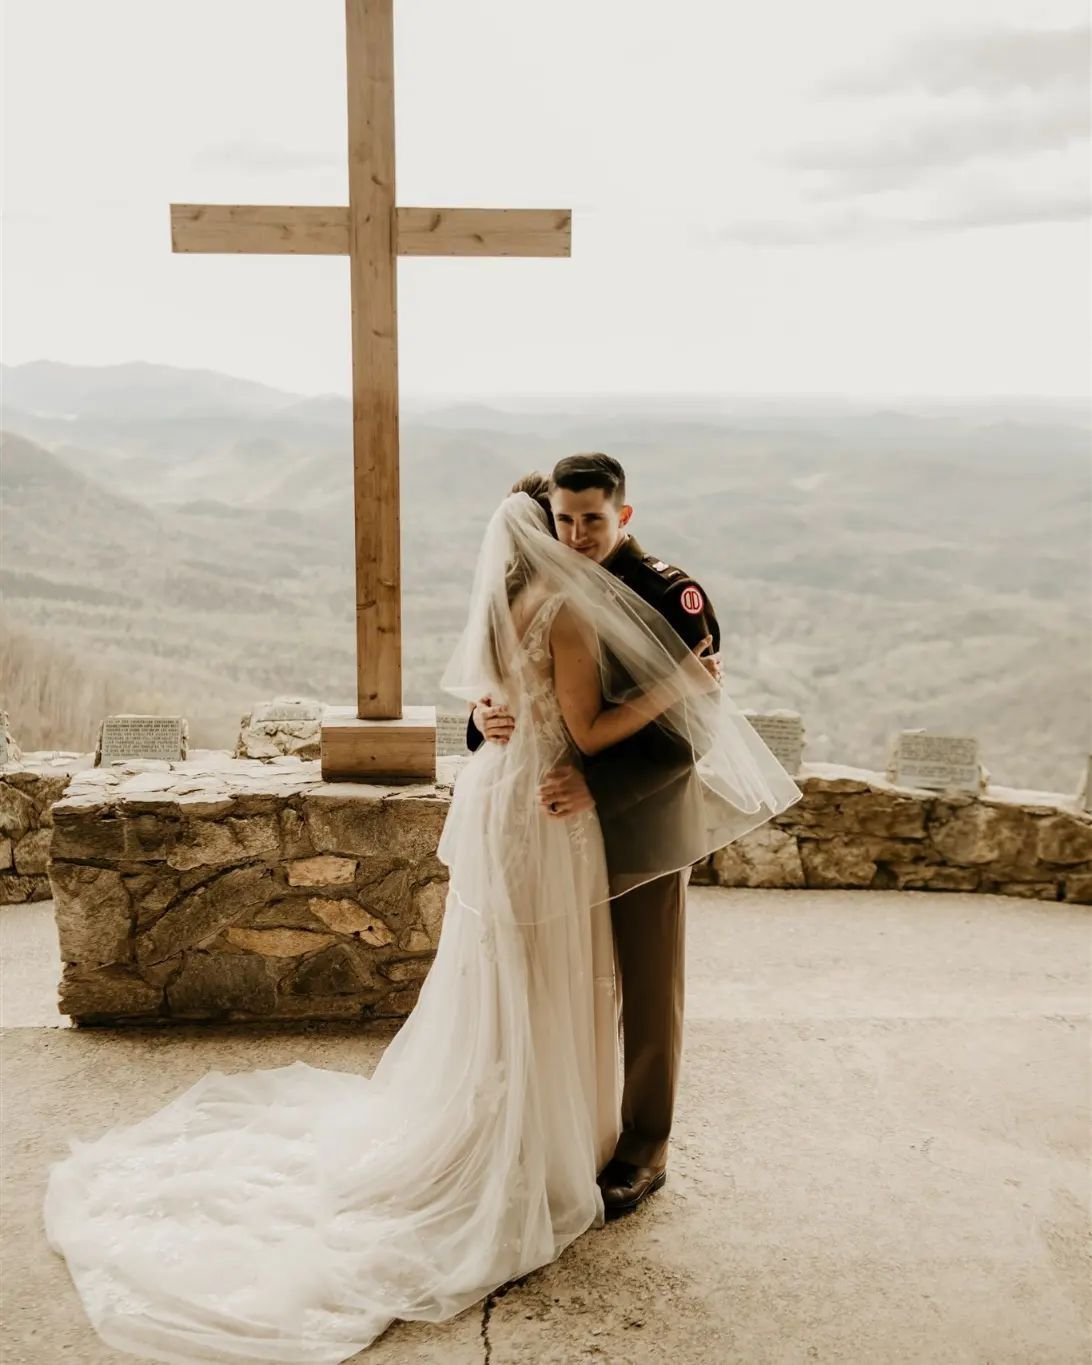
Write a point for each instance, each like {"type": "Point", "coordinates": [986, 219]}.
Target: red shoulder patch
{"type": "Point", "coordinates": [692, 601]}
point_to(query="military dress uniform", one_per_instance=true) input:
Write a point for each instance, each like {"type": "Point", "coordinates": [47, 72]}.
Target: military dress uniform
{"type": "Point", "coordinates": [641, 779]}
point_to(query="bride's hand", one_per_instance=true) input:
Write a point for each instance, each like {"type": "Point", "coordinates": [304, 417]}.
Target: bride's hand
{"type": "Point", "coordinates": [710, 663]}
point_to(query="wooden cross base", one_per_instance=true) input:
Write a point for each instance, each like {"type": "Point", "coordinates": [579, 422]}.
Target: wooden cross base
{"type": "Point", "coordinates": [355, 750]}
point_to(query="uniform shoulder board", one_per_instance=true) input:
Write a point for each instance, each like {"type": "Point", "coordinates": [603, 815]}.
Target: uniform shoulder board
{"type": "Point", "coordinates": [664, 569]}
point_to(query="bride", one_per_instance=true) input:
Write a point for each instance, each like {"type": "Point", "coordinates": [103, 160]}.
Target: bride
{"type": "Point", "coordinates": [292, 1214]}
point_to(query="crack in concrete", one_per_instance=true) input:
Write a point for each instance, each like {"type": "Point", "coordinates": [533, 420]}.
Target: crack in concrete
{"type": "Point", "coordinates": [490, 1303]}
{"type": "Point", "coordinates": [487, 1313]}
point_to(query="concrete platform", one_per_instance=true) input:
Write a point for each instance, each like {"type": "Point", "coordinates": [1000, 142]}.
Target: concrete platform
{"type": "Point", "coordinates": [882, 1152]}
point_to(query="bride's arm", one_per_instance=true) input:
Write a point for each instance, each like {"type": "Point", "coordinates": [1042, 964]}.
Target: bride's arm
{"type": "Point", "coordinates": [593, 725]}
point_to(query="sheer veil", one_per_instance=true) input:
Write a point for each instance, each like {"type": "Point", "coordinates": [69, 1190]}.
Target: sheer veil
{"type": "Point", "coordinates": [690, 783]}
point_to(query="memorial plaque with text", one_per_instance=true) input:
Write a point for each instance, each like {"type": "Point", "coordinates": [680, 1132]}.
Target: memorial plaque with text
{"type": "Point", "coordinates": [287, 711]}
{"type": "Point", "coordinates": [450, 734]}
{"type": "Point", "coordinates": [935, 762]}
{"type": "Point", "coordinates": [782, 732]}
{"type": "Point", "coordinates": [125, 737]}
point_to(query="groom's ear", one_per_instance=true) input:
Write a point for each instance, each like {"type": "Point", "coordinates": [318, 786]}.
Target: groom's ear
{"type": "Point", "coordinates": [625, 514]}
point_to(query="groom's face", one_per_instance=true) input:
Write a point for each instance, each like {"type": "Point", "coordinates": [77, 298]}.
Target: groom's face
{"type": "Point", "coordinates": [589, 522]}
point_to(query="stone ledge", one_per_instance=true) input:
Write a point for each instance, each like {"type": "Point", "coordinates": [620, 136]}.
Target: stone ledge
{"type": "Point", "coordinates": [855, 829]}
{"type": "Point", "coordinates": [29, 789]}
{"type": "Point", "coordinates": [244, 890]}
{"type": "Point", "coordinates": [248, 890]}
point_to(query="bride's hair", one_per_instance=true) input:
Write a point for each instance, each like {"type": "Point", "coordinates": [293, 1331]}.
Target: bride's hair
{"type": "Point", "coordinates": [518, 573]}
{"type": "Point", "coordinates": [537, 486]}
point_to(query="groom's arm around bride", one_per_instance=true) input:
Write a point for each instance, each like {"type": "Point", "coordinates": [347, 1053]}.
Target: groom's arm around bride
{"type": "Point", "coordinates": [589, 520]}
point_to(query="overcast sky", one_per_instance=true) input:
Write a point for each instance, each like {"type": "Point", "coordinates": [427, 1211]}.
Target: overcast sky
{"type": "Point", "coordinates": [853, 197]}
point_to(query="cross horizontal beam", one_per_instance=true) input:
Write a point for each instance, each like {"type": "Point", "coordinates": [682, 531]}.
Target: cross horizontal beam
{"type": "Point", "coordinates": [287, 230]}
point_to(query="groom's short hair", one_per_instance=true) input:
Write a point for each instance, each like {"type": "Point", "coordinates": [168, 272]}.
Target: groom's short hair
{"type": "Point", "coordinates": [592, 470]}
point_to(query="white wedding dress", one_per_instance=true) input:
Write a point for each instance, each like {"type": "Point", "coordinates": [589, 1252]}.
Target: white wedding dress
{"type": "Point", "coordinates": [291, 1214]}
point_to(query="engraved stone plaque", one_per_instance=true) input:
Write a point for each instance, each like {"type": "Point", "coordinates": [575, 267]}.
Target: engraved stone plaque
{"type": "Point", "coordinates": [287, 709]}
{"type": "Point", "coordinates": [124, 737]}
{"type": "Point", "coordinates": [936, 762]}
{"type": "Point", "coordinates": [783, 734]}
{"type": "Point", "coordinates": [450, 734]}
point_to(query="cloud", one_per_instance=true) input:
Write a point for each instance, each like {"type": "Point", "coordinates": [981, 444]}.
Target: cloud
{"type": "Point", "coordinates": [858, 225]}
{"type": "Point", "coordinates": [959, 130]}
{"type": "Point", "coordinates": [987, 60]}
{"type": "Point", "coordinates": [908, 148]}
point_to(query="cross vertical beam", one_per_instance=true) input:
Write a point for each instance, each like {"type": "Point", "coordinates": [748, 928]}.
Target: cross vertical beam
{"type": "Point", "coordinates": [378, 739]}
{"type": "Point", "coordinates": [369, 34]}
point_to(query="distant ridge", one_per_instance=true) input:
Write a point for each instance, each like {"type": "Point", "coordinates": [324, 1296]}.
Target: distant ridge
{"type": "Point", "coordinates": [34, 480]}
{"type": "Point", "coordinates": [49, 388]}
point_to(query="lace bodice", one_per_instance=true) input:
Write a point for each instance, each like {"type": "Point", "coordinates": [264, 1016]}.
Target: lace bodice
{"type": "Point", "coordinates": [535, 670]}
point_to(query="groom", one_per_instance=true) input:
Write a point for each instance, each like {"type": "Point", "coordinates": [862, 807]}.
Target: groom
{"type": "Point", "coordinates": [587, 499]}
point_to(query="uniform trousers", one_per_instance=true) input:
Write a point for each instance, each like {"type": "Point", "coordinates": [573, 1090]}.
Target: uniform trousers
{"type": "Point", "coordinates": [649, 935]}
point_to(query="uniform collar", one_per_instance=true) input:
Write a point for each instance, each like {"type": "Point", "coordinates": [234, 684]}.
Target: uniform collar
{"type": "Point", "coordinates": [627, 550]}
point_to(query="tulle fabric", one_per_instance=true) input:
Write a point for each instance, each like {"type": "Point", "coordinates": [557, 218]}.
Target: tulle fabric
{"type": "Point", "coordinates": [291, 1214]}
{"type": "Point", "coordinates": [687, 785]}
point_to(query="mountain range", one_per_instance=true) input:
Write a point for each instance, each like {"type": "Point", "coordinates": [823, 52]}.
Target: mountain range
{"type": "Point", "coordinates": [190, 536]}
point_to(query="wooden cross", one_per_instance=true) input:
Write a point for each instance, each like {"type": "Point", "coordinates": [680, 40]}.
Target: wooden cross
{"type": "Point", "coordinates": [373, 232]}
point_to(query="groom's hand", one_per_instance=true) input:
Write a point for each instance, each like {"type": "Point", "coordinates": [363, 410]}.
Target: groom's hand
{"type": "Point", "coordinates": [494, 722]}
{"type": "Point", "coordinates": [564, 792]}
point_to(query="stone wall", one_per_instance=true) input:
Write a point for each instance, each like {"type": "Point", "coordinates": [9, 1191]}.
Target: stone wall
{"type": "Point", "coordinates": [855, 829]}
{"type": "Point", "coordinates": [232, 889]}
{"type": "Point", "coordinates": [28, 790]}
{"type": "Point", "coordinates": [236, 889]}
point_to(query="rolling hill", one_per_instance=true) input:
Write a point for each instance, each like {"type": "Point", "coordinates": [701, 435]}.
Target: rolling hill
{"type": "Point", "coordinates": [193, 535]}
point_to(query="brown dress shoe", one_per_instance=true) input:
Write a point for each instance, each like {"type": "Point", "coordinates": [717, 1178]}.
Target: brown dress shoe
{"type": "Point", "coordinates": [625, 1185]}
{"type": "Point", "coordinates": [613, 1172]}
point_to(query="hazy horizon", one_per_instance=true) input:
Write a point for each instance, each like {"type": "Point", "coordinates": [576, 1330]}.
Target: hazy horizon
{"type": "Point", "coordinates": [710, 399]}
